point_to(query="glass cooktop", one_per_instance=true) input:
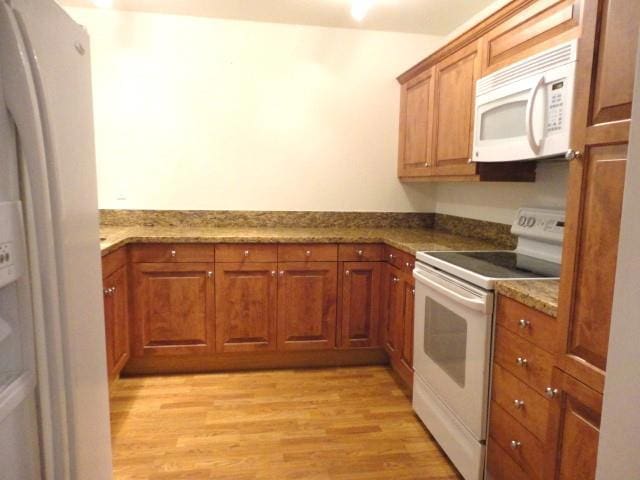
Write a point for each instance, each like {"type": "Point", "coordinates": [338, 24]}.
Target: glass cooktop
{"type": "Point", "coordinates": [501, 264]}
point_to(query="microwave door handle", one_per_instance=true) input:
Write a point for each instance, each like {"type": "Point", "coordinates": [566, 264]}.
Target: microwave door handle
{"type": "Point", "coordinates": [475, 304]}
{"type": "Point", "coordinates": [535, 146]}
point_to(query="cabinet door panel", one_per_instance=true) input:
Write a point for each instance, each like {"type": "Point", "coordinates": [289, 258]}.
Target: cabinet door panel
{"type": "Point", "coordinates": [409, 295]}
{"type": "Point", "coordinates": [121, 347]}
{"type": "Point", "coordinates": [416, 125]}
{"type": "Point", "coordinates": [540, 26]}
{"type": "Point", "coordinates": [393, 309]}
{"type": "Point", "coordinates": [454, 104]}
{"type": "Point", "coordinates": [174, 308]}
{"type": "Point", "coordinates": [246, 296]}
{"type": "Point", "coordinates": [615, 61]}
{"type": "Point", "coordinates": [307, 298]}
{"type": "Point", "coordinates": [360, 306]}
{"type": "Point", "coordinates": [574, 430]}
{"type": "Point", "coordinates": [109, 320]}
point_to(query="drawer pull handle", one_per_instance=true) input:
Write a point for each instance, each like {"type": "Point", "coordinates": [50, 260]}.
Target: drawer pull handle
{"type": "Point", "coordinates": [209, 274]}
{"type": "Point", "coordinates": [360, 253]}
{"type": "Point", "coordinates": [551, 392]}
{"type": "Point", "coordinates": [246, 253]}
{"type": "Point", "coordinates": [522, 362]}
{"type": "Point", "coordinates": [347, 272]}
{"type": "Point", "coordinates": [173, 253]}
{"type": "Point", "coordinates": [515, 444]}
{"type": "Point", "coordinates": [523, 323]}
{"type": "Point", "coordinates": [518, 403]}
{"type": "Point", "coordinates": [308, 253]}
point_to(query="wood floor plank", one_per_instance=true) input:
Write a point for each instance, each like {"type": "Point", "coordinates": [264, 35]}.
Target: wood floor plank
{"type": "Point", "coordinates": [316, 424]}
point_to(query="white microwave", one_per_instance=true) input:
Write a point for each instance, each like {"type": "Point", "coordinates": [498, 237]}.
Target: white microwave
{"type": "Point", "coordinates": [523, 111]}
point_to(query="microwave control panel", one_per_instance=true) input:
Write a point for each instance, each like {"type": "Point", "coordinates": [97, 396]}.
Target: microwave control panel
{"type": "Point", "coordinates": [556, 106]}
{"type": "Point", "coordinates": [11, 241]}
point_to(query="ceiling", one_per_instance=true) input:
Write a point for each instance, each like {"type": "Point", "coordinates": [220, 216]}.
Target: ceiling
{"type": "Point", "coordinates": [435, 17]}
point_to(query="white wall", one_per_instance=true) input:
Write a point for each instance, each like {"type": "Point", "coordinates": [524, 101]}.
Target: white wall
{"type": "Point", "coordinates": [201, 113]}
{"type": "Point", "coordinates": [498, 202]}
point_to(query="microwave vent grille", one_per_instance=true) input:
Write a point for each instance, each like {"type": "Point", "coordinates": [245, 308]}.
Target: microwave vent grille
{"type": "Point", "coordinates": [536, 64]}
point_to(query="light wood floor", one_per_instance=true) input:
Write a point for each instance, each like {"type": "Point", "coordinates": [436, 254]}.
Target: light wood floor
{"type": "Point", "coordinates": [338, 423]}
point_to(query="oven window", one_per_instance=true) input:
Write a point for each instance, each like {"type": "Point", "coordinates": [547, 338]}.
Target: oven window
{"type": "Point", "coordinates": [445, 340]}
{"type": "Point", "coordinates": [504, 121]}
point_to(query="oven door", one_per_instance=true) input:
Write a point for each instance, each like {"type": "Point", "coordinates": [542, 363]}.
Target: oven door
{"type": "Point", "coordinates": [453, 324]}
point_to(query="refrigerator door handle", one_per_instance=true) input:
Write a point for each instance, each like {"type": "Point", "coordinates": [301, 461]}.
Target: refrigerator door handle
{"type": "Point", "coordinates": [21, 99]}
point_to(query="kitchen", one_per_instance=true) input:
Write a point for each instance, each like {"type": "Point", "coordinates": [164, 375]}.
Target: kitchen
{"type": "Point", "coordinates": [324, 239]}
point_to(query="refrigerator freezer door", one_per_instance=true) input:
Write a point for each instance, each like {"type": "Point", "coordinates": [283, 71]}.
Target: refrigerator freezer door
{"type": "Point", "coordinates": [47, 86]}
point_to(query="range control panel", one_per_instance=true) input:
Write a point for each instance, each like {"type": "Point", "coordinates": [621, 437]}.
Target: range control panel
{"type": "Point", "coordinates": [11, 241]}
{"type": "Point", "coordinates": [541, 224]}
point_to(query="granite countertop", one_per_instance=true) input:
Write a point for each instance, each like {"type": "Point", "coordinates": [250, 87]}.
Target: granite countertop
{"type": "Point", "coordinates": [540, 295]}
{"type": "Point", "coordinates": [409, 240]}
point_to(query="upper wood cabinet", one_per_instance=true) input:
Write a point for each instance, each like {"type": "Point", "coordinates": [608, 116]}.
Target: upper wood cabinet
{"type": "Point", "coordinates": [307, 300]}
{"type": "Point", "coordinates": [246, 296]}
{"type": "Point", "coordinates": [541, 25]}
{"type": "Point", "coordinates": [455, 79]}
{"type": "Point", "coordinates": [173, 308]}
{"type": "Point", "coordinates": [360, 304]}
{"type": "Point", "coordinates": [416, 125]}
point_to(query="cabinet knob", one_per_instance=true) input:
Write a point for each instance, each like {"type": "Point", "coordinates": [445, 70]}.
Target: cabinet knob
{"type": "Point", "coordinates": [113, 289]}
{"type": "Point", "coordinates": [551, 392]}
{"type": "Point", "coordinates": [523, 323]}
{"type": "Point", "coordinates": [209, 274]}
{"type": "Point", "coordinates": [105, 292]}
{"type": "Point", "coordinates": [246, 253]}
{"type": "Point", "coordinates": [391, 257]}
{"type": "Point", "coordinates": [521, 361]}
{"type": "Point", "coordinates": [515, 444]}
{"type": "Point", "coordinates": [347, 272]}
{"type": "Point", "coordinates": [173, 253]}
{"type": "Point", "coordinates": [273, 273]}
{"type": "Point", "coordinates": [573, 155]}
{"type": "Point", "coordinates": [518, 403]}
{"type": "Point", "coordinates": [426, 164]}
{"type": "Point", "coordinates": [395, 279]}
{"type": "Point", "coordinates": [282, 273]}
{"type": "Point", "coordinates": [360, 253]}
{"type": "Point", "coordinates": [308, 253]}
{"type": "Point", "coordinates": [413, 291]}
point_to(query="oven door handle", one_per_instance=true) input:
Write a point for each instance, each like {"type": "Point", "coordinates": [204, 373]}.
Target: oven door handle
{"type": "Point", "coordinates": [474, 303]}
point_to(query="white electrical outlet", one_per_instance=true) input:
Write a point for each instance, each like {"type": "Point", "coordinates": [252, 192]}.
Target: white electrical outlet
{"type": "Point", "coordinates": [11, 241]}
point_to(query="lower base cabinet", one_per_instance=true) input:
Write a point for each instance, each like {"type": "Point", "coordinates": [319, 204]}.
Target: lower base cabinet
{"type": "Point", "coordinates": [116, 315]}
{"type": "Point", "coordinates": [307, 305]}
{"type": "Point", "coordinates": [360, 304]}
{"type": "Point", "coordinates": [173, 308]}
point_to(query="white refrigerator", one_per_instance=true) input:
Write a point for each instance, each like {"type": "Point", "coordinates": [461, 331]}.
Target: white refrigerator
{"type": "Point", "coordinates": [54, 410]}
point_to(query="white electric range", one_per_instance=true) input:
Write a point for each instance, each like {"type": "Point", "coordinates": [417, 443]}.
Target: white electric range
{"type": "Point", "coordinates": [454, 310]}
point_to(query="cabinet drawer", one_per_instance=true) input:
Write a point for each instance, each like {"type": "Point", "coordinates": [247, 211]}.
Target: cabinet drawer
{"type": "Point", "coordinates": [501, 466]}
{"type": "Point", "coordinates": [167, 252]}
{"type": "Point", "coordinates": [114, 261]}
{"type": "Point", "coordinates": [394, 257]}
{"type": "Point", "coordinates": [520, 444]}
{"type": "Point", "coordinates": [360, 252]}
{"type": "Point", "coordinates": [308, 253]}
{"type": "Point", "coordinates": [523, 359]}
{"type": "Point", "coordinates": [528, 323]}
{"type": "Point", "coordinates": [520, 401]}
{"type": "Point", "coordinates": [249, 252]}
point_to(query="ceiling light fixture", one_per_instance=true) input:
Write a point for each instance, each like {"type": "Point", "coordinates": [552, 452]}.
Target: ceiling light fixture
{"type": "Point", "coordinates": [360, 8]}
{"type": "Point", "coordinates": [103, 3]}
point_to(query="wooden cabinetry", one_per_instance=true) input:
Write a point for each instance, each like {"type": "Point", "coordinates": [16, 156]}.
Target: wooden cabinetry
{"type": "Point", "coordinates": [360, 304]}
{"type": "Point", "coordinates": [116, 311]}
{"type": "Point", "coordinates": [307, 300]}
{"type": "Point", "coordinates": [542, 24]}
{"type": "Point", "coordinates": [605, 75]}
{"type": "Point", "coordinates": [116, 315]}
{"type": "Point", "coordinates": [398, 297]}
{"type": "Point", "coordinates": [574, 429]}
{"type": "Point", "coordinates": [173, 308]}
{"type": "Point", "coordinates": [246, 299]}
